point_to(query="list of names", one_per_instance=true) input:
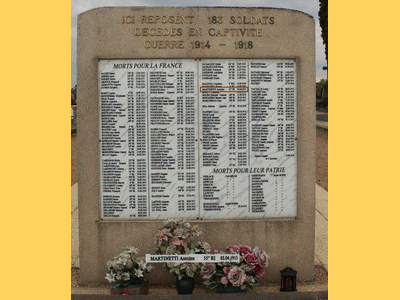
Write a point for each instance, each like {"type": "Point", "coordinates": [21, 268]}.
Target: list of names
{"type": "Point", "coordinates": [211, 139]}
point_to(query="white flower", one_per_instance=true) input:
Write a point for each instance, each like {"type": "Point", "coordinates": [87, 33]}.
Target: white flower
{"type": "Point", "coordinates": [110, 277]}
{"type": "Point", "coordinates": [172, 265]}
{"type": "Point", "coordinates": [171, 250]}
{"type": "Point", "coordinates": [124, 256]}
{"type": "Point", "coordinates": [131, 250]}
{"type": "Point", "coordinates": [195, 230]}
{"type": "Point", "coordinates": [149, 268]}
{"type": "Point", "coordinates": [110, 264]}
{"type": "Point", "coordinates": [125, 276]}
{"type": "Point", "coordinates": [141, 262]}
{"type": "Point", "coordinates": [250, 280]}
{"type": "Point", "coordinates": [168, 223]}
{"type": "Point", "coordinates": [121, 268]}
{"type": "Point", "coordinates": [189, 267]}
{"type": "Point", "coordinates": [173, 222]}
{"type": "Point", "coordinates": [179, 232]}
{"type": "Point", "coordinates": [262, 256]}
{"type": "Point", "coordinates": [248, 268]}
{"type": "Point", "coordinates": [129, 264]}
{"type": "Point", "coordinates": [118, 265]}
{"type": "Point", "coordinates": [162, 235]}
{"type": "Point", "coordinates": [205, 246]}
{"type": "Point", "coordinates": [138, 273]}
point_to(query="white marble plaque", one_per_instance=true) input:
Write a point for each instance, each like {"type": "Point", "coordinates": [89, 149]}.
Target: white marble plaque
{"type": "Point", "coordinates": [211, 139]}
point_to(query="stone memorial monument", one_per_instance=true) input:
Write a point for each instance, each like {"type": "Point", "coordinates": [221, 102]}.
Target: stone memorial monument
{"type": "Point", "coordinates": [202, 113]}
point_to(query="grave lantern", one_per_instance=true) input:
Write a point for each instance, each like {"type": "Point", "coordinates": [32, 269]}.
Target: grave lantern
{"type": "Point", "coordinates": [288, 280]}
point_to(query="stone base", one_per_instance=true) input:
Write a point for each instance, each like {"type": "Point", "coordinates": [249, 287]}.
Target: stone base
{"type": "Point", "coordinates": [139, 289]}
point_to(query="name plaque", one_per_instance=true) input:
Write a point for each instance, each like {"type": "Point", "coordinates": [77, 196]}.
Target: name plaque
{"type": "Point", "coordinates": [209, 138]}
{"type": "Point", "coordinates": [193, 258]}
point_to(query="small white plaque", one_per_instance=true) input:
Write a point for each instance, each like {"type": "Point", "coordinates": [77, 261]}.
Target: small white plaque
{"type": "Point", "coordinates": [194, 258]}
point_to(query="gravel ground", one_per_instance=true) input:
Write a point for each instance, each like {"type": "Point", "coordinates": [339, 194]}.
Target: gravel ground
{"type": "Point", "coordinates": [321, 277]}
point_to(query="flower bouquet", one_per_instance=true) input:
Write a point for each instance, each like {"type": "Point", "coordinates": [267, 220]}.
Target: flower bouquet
{"type": "Point", "coordinates": [236, 277]}
{"type": "Point", "coordinates": [126, 270]}
{"type": "Point", "coordinates": [175, 237]}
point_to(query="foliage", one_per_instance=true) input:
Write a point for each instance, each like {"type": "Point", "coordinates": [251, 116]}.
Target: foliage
{"type": "Point", "coordinates": [243, 274]}
{"type": "Point", "coordinates": [320, 85]}
{"type": "Point", "coordinates": [175, 237]}
{"type": "Point", "coordinates": [323, 22]}
{"type": "Point", "coordinates": [125, 269]}
{"type": "Point", "coordinates": [73, 95]}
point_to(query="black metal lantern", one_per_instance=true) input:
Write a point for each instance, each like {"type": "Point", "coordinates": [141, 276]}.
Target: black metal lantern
{"type": "Point", "coordinates": [288, 280]}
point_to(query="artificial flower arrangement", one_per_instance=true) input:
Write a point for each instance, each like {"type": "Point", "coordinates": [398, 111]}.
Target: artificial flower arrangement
{"type": "Point", "coordinates": [252, 265]}
{"type": "Point", "coordinates": [175, 237]}
{"type": "Point", "coordinates": [126, 269]}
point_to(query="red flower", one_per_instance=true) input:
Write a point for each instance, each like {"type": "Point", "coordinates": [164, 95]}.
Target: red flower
{"type": "Point", "coordinates": [226, 270]}
{"type": "Point", "coordinates": [178, 243]}
{"type": "Point", "coordinates": [236, 276]}
{"type": "Point", "coordinates": [259, 271]}
{"type": "Point", "coordinates": [232, 249]}
{"type": "Point", "coordinates": [251, 259]}
{"type": "Point", "coordinates": [244, 249]}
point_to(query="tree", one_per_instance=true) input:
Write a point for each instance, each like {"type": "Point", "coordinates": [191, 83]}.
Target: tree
{"type": "Point", "coordinates": [323, 22]}
{"type": "Point", "coordinates": [320, 88]}
{"type": "Point", "coordinates": [320, 85]}
{"type": "Point", "coordinates": [73, 96]}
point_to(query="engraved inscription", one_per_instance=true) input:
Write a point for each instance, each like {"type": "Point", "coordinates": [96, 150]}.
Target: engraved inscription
{"type": "Point", "coordinates": [209, 138]}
